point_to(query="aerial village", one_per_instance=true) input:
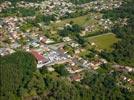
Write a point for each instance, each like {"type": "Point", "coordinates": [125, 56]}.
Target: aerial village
{"type": "Point", "coordinates": [46, 50]}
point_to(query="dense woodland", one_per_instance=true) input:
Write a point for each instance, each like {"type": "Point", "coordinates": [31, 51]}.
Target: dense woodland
{"type": "Point", "coordinates": [15, 71]}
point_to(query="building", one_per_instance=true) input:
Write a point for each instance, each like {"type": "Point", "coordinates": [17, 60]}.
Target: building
{"type": "Point", "coordinates": [74, 69]}
{"type": "Point", "coordinates": [76, 77]}
{"type": "Point", "coordinates": [40, 58]}
{"type": "Point", "coordinates": [66, 39]}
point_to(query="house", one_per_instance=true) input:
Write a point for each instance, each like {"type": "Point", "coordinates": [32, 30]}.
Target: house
{"type": "Point", "coordinates": [74, 45]}
{"type": "Point", "coordinates": [66, 39]}
{"type": "Point", "coordinates": [50, 69]}
{"type": "Point", "coordinates": [15, 45]}
{"type": "Point", "coordinates": [43, 39]}
{"type": "Point", "coordinates": [95, 64]}
{"type": "Point", "coordinates": [74, 69]}
{"type": "Point", "coordinates": [6, 51]}
{"type": "Point", "coordinates": [40, 58]}
{"type": "Point", "coordinates": [61, 50]}
{"type": "Point", "coordinates": [76, 77]}
{"type": "Point", "coordinates": [34, 44]}
{"type": "Point", "coordinates": [49, 41]}
{"type": "Point", "coordinates": [77, 51]}
{"type": "Point", "coordinates": [3, 51]}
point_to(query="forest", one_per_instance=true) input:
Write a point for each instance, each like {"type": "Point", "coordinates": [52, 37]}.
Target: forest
{"type": "Point", "coordinates": [15, 71]}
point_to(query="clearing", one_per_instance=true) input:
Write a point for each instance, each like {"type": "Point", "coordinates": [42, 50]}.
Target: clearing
{"type": "Point", "coordinates": [104, 41]}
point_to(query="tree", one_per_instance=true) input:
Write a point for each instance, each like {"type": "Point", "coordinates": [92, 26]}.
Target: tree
{"type": "Point", "coordinates": [80, 1]}
{"type": "Point", "coordinates": [48, 18]}
{"type": "Point", "coordinates": [61, 70]}
{"type": "Point", "coordinates": [35, 85]}
{"type": "Point", "coordinates": [104, 86]}
{"type": "Point", "coordinates": [15, 71]}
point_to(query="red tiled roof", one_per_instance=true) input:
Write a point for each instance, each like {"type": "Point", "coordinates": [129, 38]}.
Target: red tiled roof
{"type": "Point", "coordinates": [38, 56]}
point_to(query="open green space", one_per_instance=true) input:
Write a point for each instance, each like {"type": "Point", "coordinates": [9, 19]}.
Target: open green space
{"type": "Point", "coordinates": [78, 20]}
{"type": "Point", "coordinates": [104, 41]}
{"type": "Point", "coordinates": [82, 20]}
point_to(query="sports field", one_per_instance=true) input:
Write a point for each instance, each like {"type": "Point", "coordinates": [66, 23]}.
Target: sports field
{"type": "Point", "coordinates": [104, 41]}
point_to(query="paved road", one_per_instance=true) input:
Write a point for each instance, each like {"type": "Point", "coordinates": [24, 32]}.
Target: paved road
{"type": "Point", "coordinates": [57, 45]}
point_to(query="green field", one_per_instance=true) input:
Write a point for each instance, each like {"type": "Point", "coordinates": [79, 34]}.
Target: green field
{"type": "Point", "coordinates": [78, 20]}
{"type": "Point", "coordinates": [82, 20]}
{"type": "Point", "coordinates": [104, 41]}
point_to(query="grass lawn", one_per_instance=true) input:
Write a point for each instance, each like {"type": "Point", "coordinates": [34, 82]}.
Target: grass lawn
{"type": "Point", "coordinates": [82, 20]}
{"type": "Point", "coordinates": [104, 41]}
{"type": "Point", "coordinates": [78, 20]}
